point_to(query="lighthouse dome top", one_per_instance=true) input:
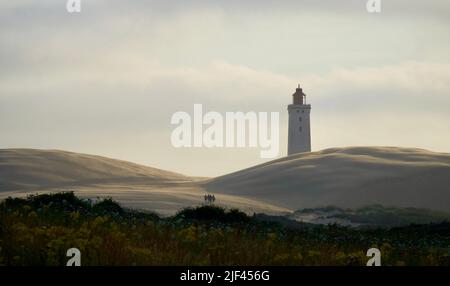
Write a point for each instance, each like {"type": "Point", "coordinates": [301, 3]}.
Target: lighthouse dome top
{"type": "Point", "coordinates": [299, 97]}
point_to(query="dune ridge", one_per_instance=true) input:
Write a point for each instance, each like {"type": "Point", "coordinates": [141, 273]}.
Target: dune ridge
{"type": "Point", "coordinates": [348, 177]}
{"type": "Point", "coordinates": [29, 168]}
{"type": "Point", "coordinates": [31, 171]}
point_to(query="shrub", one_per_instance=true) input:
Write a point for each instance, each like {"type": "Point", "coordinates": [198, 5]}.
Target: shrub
{"type": "Point", "coordinates": [108, 206]}
{"type": "Point", "coordinates": [213, 213]}
{"type": "Point", "coordinates": [38, 230]}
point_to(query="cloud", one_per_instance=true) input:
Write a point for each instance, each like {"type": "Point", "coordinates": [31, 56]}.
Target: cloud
{"type": "Point", "coordinates": [414, 78]}
{"type": "Point", "coordinates": [107, 81]}
{"type": "Point", "coordinates": [422, 87]}
{"type": "Point", "coordinates": [404, 86]}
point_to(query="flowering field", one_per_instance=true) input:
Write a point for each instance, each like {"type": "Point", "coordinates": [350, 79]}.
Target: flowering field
{"type": "Point", "coordinates": [40, 229]}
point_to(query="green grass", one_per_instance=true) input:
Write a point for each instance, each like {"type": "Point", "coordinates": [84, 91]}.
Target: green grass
{"type": "Point", "coordinates": [38, 230]}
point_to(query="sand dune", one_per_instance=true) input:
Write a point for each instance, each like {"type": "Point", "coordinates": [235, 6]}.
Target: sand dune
{"type": "Point", "coordinates": [346, 177]}
{"type": "Point", "coordinates": [27, 171]}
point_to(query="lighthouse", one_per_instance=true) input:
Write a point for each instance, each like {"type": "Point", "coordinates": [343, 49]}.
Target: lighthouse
{"type": "Point", "coordinates": [299, 136]}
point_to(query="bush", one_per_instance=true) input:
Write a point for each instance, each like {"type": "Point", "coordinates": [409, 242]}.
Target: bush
{"type": "Point", "coordinates": [213, 213]}
{"type": "Point", "coordinates": [108, 206]}
{"type": "Point", "coordinates": [38, 231]}
{"type": "Point", "coordinates": [63, 201]}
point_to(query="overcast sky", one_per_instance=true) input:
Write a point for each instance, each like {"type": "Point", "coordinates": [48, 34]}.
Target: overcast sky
{"type": "Point", "coordinates": [106, 81]}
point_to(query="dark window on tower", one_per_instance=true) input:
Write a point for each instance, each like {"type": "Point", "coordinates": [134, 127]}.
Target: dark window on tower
{"type": "Point", "coordinates": [300, 129]}
{"type": "Point", "coordinates": [300, 119]}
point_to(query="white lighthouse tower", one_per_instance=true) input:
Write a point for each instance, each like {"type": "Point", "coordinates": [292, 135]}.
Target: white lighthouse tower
{"type": "Point", "coordinates": [299, 137]}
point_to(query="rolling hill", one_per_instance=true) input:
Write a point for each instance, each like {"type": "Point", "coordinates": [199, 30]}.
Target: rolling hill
{"type": "Point", "coordinates": [350, 177]}
{"type": "Point", "coordinates": [22, 169]}
{"type": "Point", "coordinates": [31, 171]}
{"type": "Point", "coordinates": [346, 177]}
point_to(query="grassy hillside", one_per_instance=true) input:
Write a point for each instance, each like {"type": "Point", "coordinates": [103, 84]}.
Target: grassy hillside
{"type": "Point", "coordinates": [38, 230]}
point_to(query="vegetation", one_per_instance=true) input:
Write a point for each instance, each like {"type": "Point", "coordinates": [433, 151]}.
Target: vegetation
{"type": "Point", "coordinates": [38, 230]}
{"type": "Point", "coordinates": [376, 215]}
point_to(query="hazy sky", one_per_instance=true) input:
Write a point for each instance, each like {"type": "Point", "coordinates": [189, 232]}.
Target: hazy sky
{"type": "Point", "coordinates": [107, 80]}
